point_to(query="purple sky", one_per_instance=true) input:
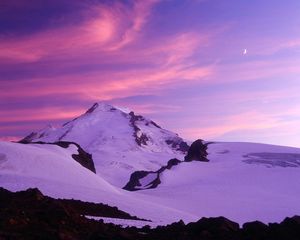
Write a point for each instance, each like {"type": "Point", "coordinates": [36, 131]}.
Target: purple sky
{"type": "Point", "coordinates": [178, 62]}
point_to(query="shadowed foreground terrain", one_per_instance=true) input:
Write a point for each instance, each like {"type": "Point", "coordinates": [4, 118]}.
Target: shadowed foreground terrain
{"type": "Point", "coordinates": [31, 215]}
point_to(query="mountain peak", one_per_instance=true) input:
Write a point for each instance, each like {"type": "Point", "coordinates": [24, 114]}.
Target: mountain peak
{"type": "Point", "coordinates": [116, 138]}
{"type": "Point", "coordinates": [101, 106]}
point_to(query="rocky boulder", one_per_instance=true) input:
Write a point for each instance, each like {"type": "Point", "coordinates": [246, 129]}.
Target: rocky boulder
{"type": "Point", "coordinates": [197, 152]}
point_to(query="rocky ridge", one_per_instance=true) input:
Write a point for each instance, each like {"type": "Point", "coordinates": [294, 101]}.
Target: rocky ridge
{"type": "Point", "coordinates": [31, 215]}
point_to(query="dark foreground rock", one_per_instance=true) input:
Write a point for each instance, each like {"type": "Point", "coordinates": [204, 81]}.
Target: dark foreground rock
{"type": "Point", "coordinates": [31, 215]}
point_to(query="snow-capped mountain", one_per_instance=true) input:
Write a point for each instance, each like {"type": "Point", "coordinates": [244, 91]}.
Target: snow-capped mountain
{"type": "Point", "coordinates": [120, 142]}
{"type": "Point", "coordinates": [241, 181]}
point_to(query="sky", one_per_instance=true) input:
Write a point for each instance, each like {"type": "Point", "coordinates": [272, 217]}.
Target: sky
{"type": "Point", "coordinates": [181, 63]}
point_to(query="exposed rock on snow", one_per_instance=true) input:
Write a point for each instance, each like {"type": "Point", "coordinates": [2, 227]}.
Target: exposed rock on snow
{"type": "Point", "coordinates": [273, 159]}
{"type": "Point", "coordinates": [37, 135]}
{"type": "Point", "coordinates": [140, 137]}
{"type": "Point", "coordinates": [145, 180]}
{"type": "Point", "coordinates": [178, 144]}
{"type": "Point", "coordinates": [197, 152]}
{"type": "Point", "coordinates": [83, 158]}
{"type": "Point", "coordinates": [134, 181]}
{"type": "Point", "coordinates": [141, 180]}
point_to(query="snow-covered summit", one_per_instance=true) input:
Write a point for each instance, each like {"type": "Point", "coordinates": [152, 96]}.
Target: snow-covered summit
{"type": "Point", "coordinates": [101, 106]}
{"type": "Point", "coordinates": [120, 142]}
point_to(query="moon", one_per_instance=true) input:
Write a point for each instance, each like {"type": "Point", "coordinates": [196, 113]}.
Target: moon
{"type": "Point", "coordinates": [245, 51]}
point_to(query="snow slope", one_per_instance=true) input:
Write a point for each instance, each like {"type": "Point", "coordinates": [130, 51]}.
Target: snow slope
{"type": "Point", "coordinates": [119, 142]}
{"type": "Point", "coordinates": [46, 162]}
{"type": "Point", "coordinates": [266, 189]}
{"type": "Point", "coordinates": [228, 185]}
{"type": "Point", "coordinates": [124, 222]}
{"type": "Point", "coordinates": [52, 169]}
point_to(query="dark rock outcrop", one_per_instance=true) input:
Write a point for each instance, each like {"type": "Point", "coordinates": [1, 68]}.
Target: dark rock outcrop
{"type": "Point", "coordinates": [31, 215]}
{"type": "Point", "coordinates": [214, 228]}
{"type": "Point", "coordinates": [134, 181]}
{"type": "Point", "coordinates": [197, 152]}
{"type": "Point", "coordinates": [92, 108]}
{"type": "Point", "coordinates": [170, 164]}
{"type": "Point", "coordinates": [140, 138]}
{"type": "Point", "coordinates": [83, 158]}
{"type": "Point", "coordinates": [83, 208]}
{"type": "Point", "coordinates": [255, 229]}
{"type": "Point", "coordinates": [178, 144]}
{"type": "Point", "coordinates": [29, 137]}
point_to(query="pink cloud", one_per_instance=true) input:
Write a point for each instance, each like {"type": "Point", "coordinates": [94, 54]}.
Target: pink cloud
{"type": "Point", "coordinates": [111, 85]}
{"type": "Point", "coordinates": [270, 46]}
{"type": "Point", "coordinates": [106, 28]}
{"type": "Point", "coordinates": [172, 65]}
{"type": "Point", "coordinates": [251, 120]}
{"type": "Point", "coordinates": [141, 12]}
{"type": "Point", "coordinates": [10, 138]}
{"type": "Point", "coordinates": [253, 70]}
{"type": "Point", "coordinates": [50, 113]}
